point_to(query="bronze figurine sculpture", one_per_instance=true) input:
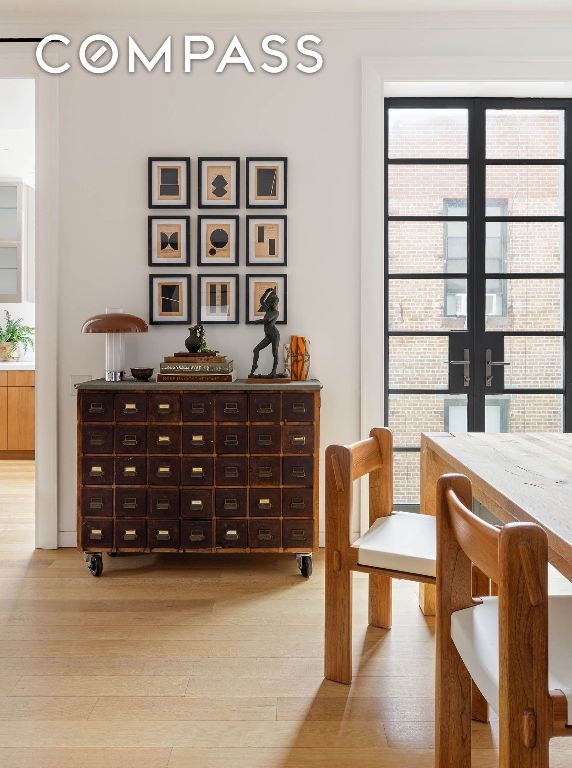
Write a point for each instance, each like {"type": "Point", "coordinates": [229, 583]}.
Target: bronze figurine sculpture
{"type": "Point", "coordinates": [269, 305]}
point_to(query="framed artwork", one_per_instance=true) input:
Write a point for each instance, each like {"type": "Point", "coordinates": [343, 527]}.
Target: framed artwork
{"type": "Point", "coordinates": [217, 241]}
{"type": "Point", "coordinates": [256, 285]}
{"type": "Point", "coordinates": [169, 182]}
{"type": "Point", "coordinates": [169, 299]}
{"type": "Point", "coordinates": [219, 182]}
{"type": "Point", "coordinates": [266, 182]}
{"type": "Point", "coordinates": [169, 241]}
{"type": "Point", "coordinates": [266, 241]}
{"type": "Point", "coordinates": [217, 298]}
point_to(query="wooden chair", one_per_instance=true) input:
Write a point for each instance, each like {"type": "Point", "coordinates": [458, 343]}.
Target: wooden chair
{"type": "Point", "coordinates": [517, 647]}
{"type": "Point", "coordinates": [398, 545]}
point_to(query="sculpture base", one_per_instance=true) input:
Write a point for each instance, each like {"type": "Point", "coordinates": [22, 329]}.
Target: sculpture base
{"type": "Point", "coordinates": [268, 379]}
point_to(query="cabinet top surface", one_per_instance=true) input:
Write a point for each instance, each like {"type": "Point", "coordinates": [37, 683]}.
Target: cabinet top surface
{"type": "Point", "coordinates": [243, 385]}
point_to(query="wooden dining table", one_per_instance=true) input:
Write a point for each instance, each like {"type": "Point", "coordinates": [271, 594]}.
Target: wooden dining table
{"type": "Point", "coordinates": [525, 477]}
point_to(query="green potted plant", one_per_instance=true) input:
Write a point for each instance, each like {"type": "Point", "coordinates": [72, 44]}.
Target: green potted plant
{"type": "Point", "coordinates": [13, 337]}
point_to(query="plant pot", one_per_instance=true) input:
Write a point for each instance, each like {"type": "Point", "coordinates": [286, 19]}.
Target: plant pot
{"type": "Point", "coordinates": [9, 352]}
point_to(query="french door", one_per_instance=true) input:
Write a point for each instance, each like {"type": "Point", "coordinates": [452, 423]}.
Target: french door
{"type": "Point", "coordinates": [477, 253]}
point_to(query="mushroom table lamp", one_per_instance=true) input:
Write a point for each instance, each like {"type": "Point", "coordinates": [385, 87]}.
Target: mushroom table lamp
{"type": "Point", "coordinates": [114, 323]}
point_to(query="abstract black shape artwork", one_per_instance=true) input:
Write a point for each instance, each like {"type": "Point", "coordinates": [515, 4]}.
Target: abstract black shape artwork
{"type": "Point", "coordinates": [217, 240]}
{"type": "Point", "coordinates": [219, 185]}
{"type": "Point", "coordinates": [169, 182]}
{"type": "Point", "coordinates": [266, 182]}
{"type": "Point", "coordinates": [219, 182]}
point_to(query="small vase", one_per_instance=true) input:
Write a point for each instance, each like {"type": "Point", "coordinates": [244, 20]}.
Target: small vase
{"type": "Point", "coordinates": [193, 341]}
{"type": "Point", "coordinates": [9, 352]}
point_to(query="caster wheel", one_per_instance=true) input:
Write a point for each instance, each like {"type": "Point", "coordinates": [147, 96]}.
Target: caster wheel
{"type": "Point", "coordinates": [95, 565]}
{"type": "Point", "coordinates": [305, 565]}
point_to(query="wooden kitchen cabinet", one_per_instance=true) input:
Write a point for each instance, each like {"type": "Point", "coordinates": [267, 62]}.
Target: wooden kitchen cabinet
{"type": "Point", "coordinates": [17, 414]}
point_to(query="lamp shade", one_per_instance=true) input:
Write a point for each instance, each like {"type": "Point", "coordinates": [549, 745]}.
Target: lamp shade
{"type": "Point", "coordinates": [115, 322]}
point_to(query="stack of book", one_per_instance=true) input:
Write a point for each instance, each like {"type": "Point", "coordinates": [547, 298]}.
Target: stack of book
{"type": "Point", "coordinates": [197, 367]}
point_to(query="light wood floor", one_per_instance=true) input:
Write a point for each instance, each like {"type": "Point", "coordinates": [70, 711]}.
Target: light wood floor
{"type": "Point", "coordinates": [200, 662]}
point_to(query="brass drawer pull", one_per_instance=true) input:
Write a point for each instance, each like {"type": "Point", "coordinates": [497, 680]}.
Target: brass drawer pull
{"type": "Point", "coordinates": [231, 408]}
{"type": "Point", "coordinates": [130, 408]}
{"type": "Point", "coordinates": [231, 440]}
{"type": "Point", "coordinates": [96, 534]}
{"type": "Point", "coordinates": [164, 407]}
{"type": "Point", "coordinates": [299, 440]}
{"type": "Point", "coordinates": [130, 534]}
{"type": "Point", "coordinates": [231, 472]}
{"type": "Point", "coordinates": [164, 472]}
{"type": "Point", "coordinates": [198, 440]}
{"type": "Point", "coordinates": [196, 535]}
{"type": "Point", "coordinates": [129, 503]}
{"type": "Point", "coordinates": [163, 505]}
{"type": "Point", "coordinates": [264, 439]}
{"type": "Point", "coordinates": [297, 504]}
{"type": "Point", "coordinates": [164, 439]}
{"type": "Point", "coordinates": [231, 534]}
{"type": "Point", "coordinates": [163, 535]}
{"type": "Point", "coordinates": [298, 534]}
{"type": "Point", "coordinates": [197, 471]}
{"type": "Point", "coordinates": [130, 441]}
{"type": "Point", "coordinates": [299, 472]}
{"type": "Point", "coordinates": [96, 408]}
{"type": "Point", "coordinates": [265, 408]}
{"type": "Point", "coordinates": [230, 504]}
{"type": "Point", "coordinates": [129, 471]}
{"type": "Point", "coordinates": [97, 439]}
{"type": "Point", "coordinates": [299, 407]}
{"type": "Point", "coordinates": [96, 503]}
{"type": "Point", "coordinates": [197, 503]}
{"type": "Point", "coordinates": [197, 408]}
{"type": "Point", "coordinates": [264, 504]}
{"type": "Point", "coordinates": [96, 471]}
{"type": "Point", "coordinates": [264, 534]}
{"type": "Point", "coordinates": [265, 472]}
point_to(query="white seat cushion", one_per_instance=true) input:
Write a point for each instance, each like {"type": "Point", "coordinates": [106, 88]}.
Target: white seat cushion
{"type": "Point", "coordinates": [402, 541]}
{"type": "Point", "coordinates": [475, 632]}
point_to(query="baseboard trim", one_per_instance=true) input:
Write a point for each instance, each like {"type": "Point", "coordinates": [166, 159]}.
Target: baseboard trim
{"type": "Point", "coordinates": [67, 539]}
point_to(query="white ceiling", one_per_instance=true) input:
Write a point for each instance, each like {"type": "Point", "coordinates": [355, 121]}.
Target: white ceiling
{"type": "Point", "coordinates": [264, 7]}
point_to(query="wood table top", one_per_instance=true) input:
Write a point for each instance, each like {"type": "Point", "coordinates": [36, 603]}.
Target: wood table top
{"type": "Point", "coordinates": [525, 477]}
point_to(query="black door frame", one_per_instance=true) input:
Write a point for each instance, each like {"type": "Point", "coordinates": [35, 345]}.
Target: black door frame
{"type": "Point", "coordinates": [476, 276]}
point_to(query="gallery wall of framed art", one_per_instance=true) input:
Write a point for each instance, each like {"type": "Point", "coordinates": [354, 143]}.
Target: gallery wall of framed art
{"type": "Point", "coordinates": [217, 240]}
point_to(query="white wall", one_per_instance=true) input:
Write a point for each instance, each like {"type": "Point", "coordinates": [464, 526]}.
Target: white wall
{"type": "Point", "coordinates": [110, 124]}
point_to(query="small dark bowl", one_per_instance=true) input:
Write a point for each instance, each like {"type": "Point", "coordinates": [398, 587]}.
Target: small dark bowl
{"type": "Point", "coordinates": [142, 374]}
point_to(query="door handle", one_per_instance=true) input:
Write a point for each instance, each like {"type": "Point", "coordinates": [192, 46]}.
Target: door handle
{"type": "Point", "coordinates": [466, 363]}
{"type": "Point", "coordinates": [489, 362]}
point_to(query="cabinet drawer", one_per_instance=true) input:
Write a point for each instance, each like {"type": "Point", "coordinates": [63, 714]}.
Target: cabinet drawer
{"type": "Point", "coordinates": [97, 406]}
{"type": "Point", "coordinates": [97, 502]}
{"type": "Point", "coordinates": [96, 533]}
{"type": "Point", "coordinates": [196, 503]}
{"type": "Point", "coordinates": [231, 439]}
{"type": "Point", "coordinates": [297, 502]}
{"type": "Point", "coordinates": [265, 439]}
{"type": "Point", "coordinates": [298, 470]}
{"type": "Point", "coordinates": [164, 440]}
{"type": "Point", "coordinates": [163, 503]}
{"type": "Point", "coordinates": [131, 470]}
{"type": "Point", "coordinates": [231, 502]}
{"type": "Point", "coordinates": [264, 470]}
{"type": "Point", "coordinates": [231, 470]}
{"type": "Point", "coordinates": [130, 439]}
{"type": "Point", "coordinates": [298, 533]}
{"type": "Point", "coordinates": [164, 470]}
{"type": "Point", "coordinates": [265, 406]}
{"type": "Point", "coordinates": [164, 407]}
{"type": "Point", "coordinates": [197, 534]}
{"type": "Point", "coordinates": [130, 502]}
{"type": "Point", "coordinates": [131, 406]}
{"type": "Point", "coordinates": [231, 406]}
{"type": "Point", "coordinates": [264, 533]}
{"type": "Point", "coordinates": [199, 439]}
{"type": "Point", "coordinates": [130, 534]}
{"type": "Point", "coordinates": [198, 408]}
{"type": "Point", "coordinates": [265, 502]}
{"type": "Point", "coordinates": [163, 534]}
{"type": "Point", "coordinates": [97, 438]}
{"type": "Point", "coordinates": [298, 406]}
{"type": "Point", "coordinates": [231, 534]}
{"type": "Point", "coordinates": [197, 471]}
{"type": "Point", "coordinates": [97, 470]}
{"type": "Point", "coordinates": [298, 439]}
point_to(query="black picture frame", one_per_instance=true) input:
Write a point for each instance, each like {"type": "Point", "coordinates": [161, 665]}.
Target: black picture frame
{"type": "Point", "coordinates": [168, 276]}
{"type": "Point", "coordinates": [202, 278]}
{"type": "Point", "coordinates": [186, 262]}
{"type": "Point", "coordinates": [261, 205]}
{"type": "Point", "coordinates": [250, 261]}
{"type": "Point", "coordinates": [252, 277]}
{"type": "Point", "coordinates": [223, 204]}
{"type": "Point", "coordinates": [201, 262]}
{"type": "Point", "coordinates": [186, 162]}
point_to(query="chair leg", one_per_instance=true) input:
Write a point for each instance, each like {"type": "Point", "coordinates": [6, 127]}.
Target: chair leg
{"type": "Point", "coordinates": [453, 709]}
{"type": "Point", "coordinates": [338, 638]}
{"type": "Point", "coordinates": [380, 589]}
{"type": "Point", "coordinates": [513, 752]}
{"type": "Point", "coordinates": [479, 705]}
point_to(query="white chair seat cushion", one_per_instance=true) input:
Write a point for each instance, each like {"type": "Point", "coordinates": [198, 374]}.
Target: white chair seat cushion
{"type": "Point", "coordinates": [475, 632]}
{"type": "Point", "coordinates": [402, 541]}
